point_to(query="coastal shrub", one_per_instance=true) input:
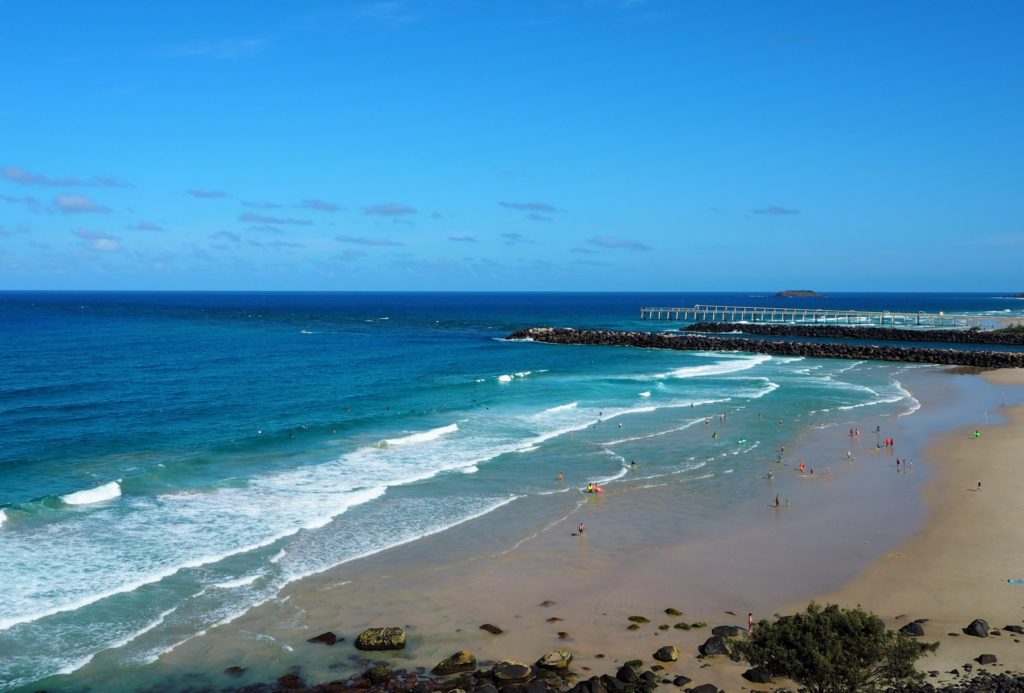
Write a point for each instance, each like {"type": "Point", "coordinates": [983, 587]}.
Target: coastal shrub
{"type": "Point", "coordinates": [699, 624]}
{"type": "Point", "coordinates": [682, 626]}
{"type": "Point", "coordinates": [639, 619]}
{"type": "Point", "coordinates": [663, 626]}
{"type": "Point", "coordinates": [833, 650]}
{"type": "Point", "coordinates": [673, 612]}
{"type": "Point", "coordinates": [633, 626]}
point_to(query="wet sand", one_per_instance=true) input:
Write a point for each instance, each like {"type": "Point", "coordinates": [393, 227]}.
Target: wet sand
{"type": "Point", "coordinates": [955, 569]}
{"type": "Point", "coordinates": [627, 563]}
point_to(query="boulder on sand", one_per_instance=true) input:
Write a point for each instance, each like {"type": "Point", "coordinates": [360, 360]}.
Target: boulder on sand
{"type": "Point", "coordinates": [492, 629]}
{"type": "Point", "coordinates": [667, 654]}
{"type": "Point", "coordinates": [978, 628]}
{"type": "Point", "coordinates": [556, 659]}
{"type": "Point", "coordinates": [456, 664]}
{"type": "Point", "coordinates": [758, 675]}
{"type": "Point", "coordinates": [705, 688]}
{"type": "Point", "coordinates": [913, 628]}
{"type": "Point", "coordinates": [725, 631]}
{"type": "Point", "coordinates": [715, 645]}
{"type": "Point", "coordinates": [986, 659]}
{"type": "Point", "coordinates": [511, 672]}
{"type": "Point", "coordinates": [392, 638]}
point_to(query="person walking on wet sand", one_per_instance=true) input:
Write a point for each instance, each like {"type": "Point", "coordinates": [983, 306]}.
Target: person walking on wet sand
{"type": "Point", "coordinates": [582, 527]}
{"type": "Point", "coordinates": [776, 501]}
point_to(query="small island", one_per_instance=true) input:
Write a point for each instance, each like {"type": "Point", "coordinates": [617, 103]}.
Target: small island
{"type": "Point", "coordinates": [800, 293]}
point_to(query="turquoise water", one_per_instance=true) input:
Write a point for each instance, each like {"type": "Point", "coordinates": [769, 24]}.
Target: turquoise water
{"type": "Point", "coordinates": [170, 460]}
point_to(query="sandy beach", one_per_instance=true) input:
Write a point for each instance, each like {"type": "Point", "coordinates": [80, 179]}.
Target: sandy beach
{"type": "Point", "coordinates": [947, 559]}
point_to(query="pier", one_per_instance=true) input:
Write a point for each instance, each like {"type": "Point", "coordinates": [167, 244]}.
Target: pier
{"type": "Point", "coordinates": [762, 314]}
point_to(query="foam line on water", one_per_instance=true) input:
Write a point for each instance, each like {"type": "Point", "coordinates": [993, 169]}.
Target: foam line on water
{"type": "Point", "coordinates": [729, 365]}
{"type": "Point", "coordinates": [421, 437]}
{"type": "Point", "coordinates": [107, 491]}
{"type": "Point", "coordinates": [3, 517]}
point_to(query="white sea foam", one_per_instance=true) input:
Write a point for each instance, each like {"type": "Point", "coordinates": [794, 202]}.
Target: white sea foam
{"type": "Point", "coordinates": [3, 517]}
{"type": "Point", "coordinates": [504, 378]}
{"type": "Point", "coordinates": [107, 491]}
{"type": "Point", "coordinates": [421, 437]}
{"type": "Point", "coordinates": [727, 365]}
{"type": "Point", "coordinates": [556, 410]}
{"type": "Point", "coordinates": [239, 582]}
{"type": "Point", "coordinates": [645, 394]}
{"type": "Point", "coordinates": [470, 470]}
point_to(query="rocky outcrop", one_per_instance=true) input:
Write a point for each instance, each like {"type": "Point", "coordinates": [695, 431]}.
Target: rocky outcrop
{"type": "Point", "coordinates": [695, 342]}
{"type": "Point", "coordinates": [758, 675]}
{"type": "Point", "coordinates": [799, 293]}
{"type": "Point", "coordinates": [872, 334]}
{"type": "Point", "coordinates": [392, 638]}
{"type": "Point", "coordinates": [725, 631]}
{"type": "Point", "coordinates": [456, 664]}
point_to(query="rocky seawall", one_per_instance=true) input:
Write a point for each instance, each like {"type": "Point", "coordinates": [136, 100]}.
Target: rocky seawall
{"type": "Point", "coordinates": [892, 334]}
{"type": "Point", "coordinates": [697, 342]}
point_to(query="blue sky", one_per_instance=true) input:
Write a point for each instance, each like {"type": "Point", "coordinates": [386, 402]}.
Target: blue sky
{"type": "Point", "coordinates": [499, 145]}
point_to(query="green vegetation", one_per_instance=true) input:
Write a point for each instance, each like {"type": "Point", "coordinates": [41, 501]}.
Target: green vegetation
{"type": "Point", "coordinates": [1013, 329]}
{"type": "Point", "coordinates": [663, 626]}
{"type": "Point", "coordinates": [682, 626]}
{"type": "Point", "coordinates": [699, 624]}
{"type": "Point", "coordinates": [673, 612]}
{"type": "Point", "coordinates": [833, 650]}
{"type": "Point", "coordinates": [633, 626]}
{"type": "Point", "coordinates": [639, 619]}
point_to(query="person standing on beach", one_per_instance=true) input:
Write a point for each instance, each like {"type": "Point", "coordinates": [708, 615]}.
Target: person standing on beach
{"type": "Point", "coordinates": [979, 485]}
{"type": "Point", "coordinates": [750, 622]}
{"type": "Point", "coordinates": [776, 500]}
{"type": "Point", "coordinates": [561, 476]}
{"type": "Point", "coordinates": [582, 527]}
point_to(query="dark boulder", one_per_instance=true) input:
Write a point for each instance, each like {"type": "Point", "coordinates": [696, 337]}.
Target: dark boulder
{"type": "Point", "coordinates": [667, 654]}
{"type": "Point", "coordinates": [392, 638]}
{"type": "Point", "coordinates": [986, 659]}
{"type": "Point", "coordinates": [627, 674]}
{"type": "Point", "coordinates": [1019, 630]}
{"type": "Point", "coordinates": [681, 681]}
{"type": "Point", "coordinates": [535, 686]}
{"type": "Point", "coordinates": [913, 628]}
{"type": "Point", "coordinates": [978, 628]}
{"type": "Point", "coordinates": [486, 688]}
{"type": "Point", "coordinates": [379, 674]}
{"type": "Point", "coordinates": [715, 645]}
{"type": "Point", "coordinates": [705, 688]}
{"type": "Point", "coordinates": [492, 629]}
{"type": "Point", "coordinates": [291, 682]}
{"type": "Point", "coordinates": [456, 664]}
{"type": "Point", "coordinates": [725, 631]}
{"type": "Point", "coordinates": [234, 671]}
{"type": "Point", "coordinates": [327, 638]}
{"type": "Point", "coordinates": [758, 675]}
{"type": "Point", "coordinates": [511, 672]}
{"type": "Point", "coordinates": [612, 684]}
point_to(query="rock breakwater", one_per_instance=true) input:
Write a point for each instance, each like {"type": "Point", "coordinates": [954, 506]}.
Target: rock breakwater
{"type": "Point", "coordinates": [697, 342]}
{"type": "Point", "coordinates": [890, 334]}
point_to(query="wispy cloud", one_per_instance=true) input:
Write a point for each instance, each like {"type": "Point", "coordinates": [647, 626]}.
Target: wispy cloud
{"type": "Point", "coordinates": [592, 263]}
{"type": "Point", "coordinates": [436, 215]}
{"type": "Point", "coordinates": [587, 251]}
{"type": "Point", "coordinates": [517, 239]}
{"type": "Point", "coordinates": [617, 243]}
{"type": "Point", "coordinates": [359, 240]}
{"type": "Point", "coordinates": [30, 202]}
{"type": "Point", "coordinates": [16, 174]}
{"type": "Point", "coordinates": [252, 218]}
{"type": "Point", "coordinates": [226, 236]}
{"type": "Point", "coordinates": [145, 226]}
{"type": "Point", "coordinates": [389, 209]}
{"type": "Point", "coordinates": [224, 49]}
{"type": "Point", "coordinates": [207, 194]}
{"type": "Point", "coordinates": [262, 205]}
{"type": "Point", "coordinates": [775, 210]}
{"type": "Point", "coordinates": [75, 204]}
{"type": "Point", "coordinates": [265, 228]}
{"type": "Point", "coordinates": [98, 241]}
{"type": "Point", "coordinates": [319, 205]}
{"type": "Point", "coordinates": [538, 217]}
{"type": "Point", "coordinates": [275, 244]}
{"type": "Point", "coordinates": [7, 232]}
{"type": "Point", "coordinates": [462, 239]}
{"type": "Point", "coordinates": [530, 206]}
{"type": "Point", "coordinates": [350, 254]}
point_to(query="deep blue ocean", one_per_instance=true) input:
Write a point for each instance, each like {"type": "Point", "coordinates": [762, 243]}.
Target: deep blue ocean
{"type": "Point", "coordinates": [168, 460]}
